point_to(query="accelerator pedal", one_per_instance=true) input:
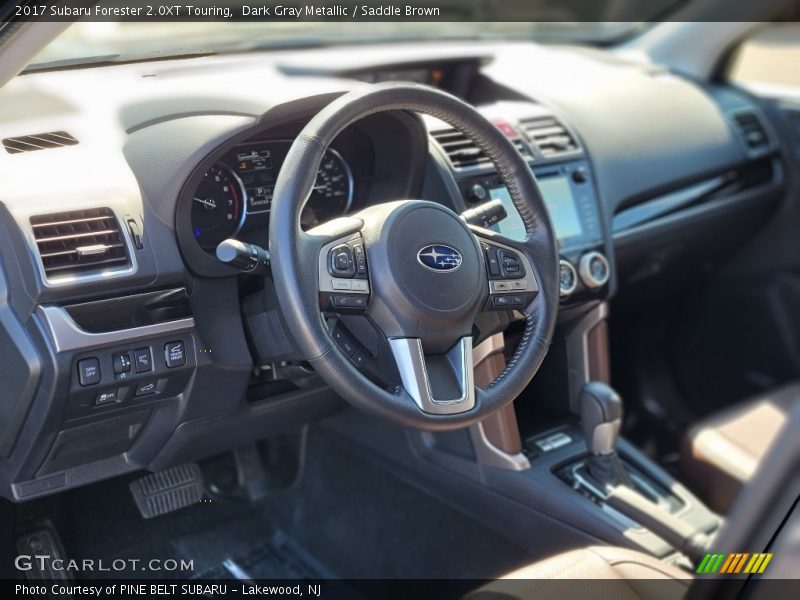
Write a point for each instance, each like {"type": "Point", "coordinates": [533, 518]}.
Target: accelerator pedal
{"type": "Point", "coordinates": [167, 491]}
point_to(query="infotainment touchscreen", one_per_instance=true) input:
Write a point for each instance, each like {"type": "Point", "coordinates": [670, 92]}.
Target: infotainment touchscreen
{"type": "Point", "coordinates": [560, 202]}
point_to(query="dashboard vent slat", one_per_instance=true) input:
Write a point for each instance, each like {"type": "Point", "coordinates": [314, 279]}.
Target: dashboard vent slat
{"type": "Point", "coordinates": [464, 154]}
{"type": "Point", "coordinates": [79, 241]}
{"type": "Point", "coordinates": [751, 130]}
{"type": "Point", "coordinates": [549, 136]}
{"type": "Point", "coordinates": [40, 141]}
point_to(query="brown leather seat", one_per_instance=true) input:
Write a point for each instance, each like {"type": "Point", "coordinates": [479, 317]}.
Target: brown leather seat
{"type": "Point", "coordinates": [721, 452]}
{"type": "Point", "coordinates": [629, 575]}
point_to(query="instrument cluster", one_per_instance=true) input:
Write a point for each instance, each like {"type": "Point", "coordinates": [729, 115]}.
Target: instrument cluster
{"type": "Point", "coordinates": [236, 192]}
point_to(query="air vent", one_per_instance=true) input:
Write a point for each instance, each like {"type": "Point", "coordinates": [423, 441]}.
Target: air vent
{"type": "Point", "coordinates": [750, 130]}
{"type": "Point", "coordinates": [41, 141]}
{"type": "Point", "coordinates": [549, 136]}
{"type": "Point", "coordinates": [462, 151]}
{"type": "Point", "coordinates": [79, 241]}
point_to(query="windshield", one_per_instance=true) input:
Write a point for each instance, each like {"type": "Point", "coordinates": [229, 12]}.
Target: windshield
{"type": "Point", "coordinates": [93, 42]}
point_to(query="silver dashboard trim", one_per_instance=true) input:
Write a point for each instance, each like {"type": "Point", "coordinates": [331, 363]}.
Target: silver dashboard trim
{"type": "Point", "coordinates": [410, 361]}
{"type": "Point", "coordinates": [487, 453]}
{"type": "Point", "coordinates": [585, 270]}
{"type": "Point", "coordinates": [67, 335]}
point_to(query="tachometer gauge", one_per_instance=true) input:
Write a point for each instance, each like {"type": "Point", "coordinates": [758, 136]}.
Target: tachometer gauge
{"type": "Point", "coordinates": [218, 206]}
{"type": "Point", "coordinates": [333, 190]}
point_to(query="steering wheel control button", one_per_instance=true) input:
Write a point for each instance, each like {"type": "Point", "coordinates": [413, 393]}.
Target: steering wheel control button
{"type": "Point", "coordinates": [175, 354]}
{"type": "Point", "coordinates": [145, 389]}
{"type": "Point", "coordinates": [567, 278]}
{"type": "Point", "coordinates": [594, 269]}
{"type": "Point", "coordinates": [352, 302]}
{"type": "Point", "coordinates": [342, 262]}
{"type": "Point", "coordinates": [509, 301]}
{"type": "Point", "coordinates": [89, 371]}
{"type": "Point", "coordinates": [501, 302]}
{"type": "Point", "coordinates": [501, 286]}
{"type": "Point", "coordinates": [143, 360]}
{"type": "Point", "coordinates": [360, 285]}
{"type": "Point", "coordinates": [342, 284]}
{"type": "Point", "coordinates": [492, 263]}
{"type": "Point", "coordinates": [121, 362]}
{"type": "Point", "coordinates": [518, 285]}
{"type": "Point", "coordinates": [106, 397]}
{"type": "Point", "coordinates": [349, 346]}
{"type": "Point", "coordinates": [510, 264]}
{"type": "Point", "coordinates": [360, 258]}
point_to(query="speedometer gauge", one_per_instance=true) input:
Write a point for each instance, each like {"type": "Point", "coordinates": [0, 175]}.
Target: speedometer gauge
{"type": "Point", "coordinates": [333, 189]}
{"type": "Point", "coordinates": [218, 206]}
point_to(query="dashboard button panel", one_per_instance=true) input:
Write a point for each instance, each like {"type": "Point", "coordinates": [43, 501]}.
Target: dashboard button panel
{"type": "Point", "coordinates": [89, 371]}
{"type": "Point", "coordinates": [143, 359]}
{"type": "Point", "coordinates": [145, 389]}
{"type": "Point", "coordinates": [175, 354]}
{"type": "Point", "coordinates": [121, 362]}
{"type": "Point", "coordinates": [145, 375]}
{"type": "Point", "coordinates": [106, 397]}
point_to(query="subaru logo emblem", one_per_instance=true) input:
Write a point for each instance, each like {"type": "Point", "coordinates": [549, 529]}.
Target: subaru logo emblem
{"type": "Point", "coordinates": [438, 257]}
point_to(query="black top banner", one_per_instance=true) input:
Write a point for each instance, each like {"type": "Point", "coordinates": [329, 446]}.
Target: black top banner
{"type": "Point", "coordinates": [570, 11]}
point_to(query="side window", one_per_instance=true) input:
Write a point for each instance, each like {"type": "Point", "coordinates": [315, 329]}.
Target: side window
{"type": "Point", "coordinates": [769, 58]}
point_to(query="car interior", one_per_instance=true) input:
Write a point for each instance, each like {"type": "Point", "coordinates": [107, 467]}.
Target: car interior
{"type": "Point", "coordinates": [474, 309]}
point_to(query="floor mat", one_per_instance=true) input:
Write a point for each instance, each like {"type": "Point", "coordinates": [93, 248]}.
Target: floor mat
{"type": "Point", "coordinates": [346, 517]}
{"type": "Point", "coordinates": [364, 522]}
{"type": "Point", "coordinates": [102, 522]}
{"type": "Point", "coordinates": [276, 558]}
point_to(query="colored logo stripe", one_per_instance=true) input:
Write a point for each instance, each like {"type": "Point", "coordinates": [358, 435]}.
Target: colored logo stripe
{"type": "Point", "coordinates": [711, 563]}
{"type": "Point", "coordinates": [733, 563]}
{"type": "Point", "coordinates": [758, 563]}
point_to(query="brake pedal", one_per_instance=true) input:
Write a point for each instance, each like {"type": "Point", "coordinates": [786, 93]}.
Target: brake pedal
{"type": "Point", "coordinates": [167, 491]}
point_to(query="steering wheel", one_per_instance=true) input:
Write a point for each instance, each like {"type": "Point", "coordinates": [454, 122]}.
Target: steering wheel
{"type": "Point", "coordinates": [416, 270]}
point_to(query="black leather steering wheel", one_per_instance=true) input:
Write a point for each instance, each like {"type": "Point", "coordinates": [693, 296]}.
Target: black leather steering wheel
{"type": "Point", "coordinates": [416, 270]}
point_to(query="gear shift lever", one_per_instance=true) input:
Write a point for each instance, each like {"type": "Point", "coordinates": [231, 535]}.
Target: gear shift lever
{"type": "Point", "coordinates": [601, 418]}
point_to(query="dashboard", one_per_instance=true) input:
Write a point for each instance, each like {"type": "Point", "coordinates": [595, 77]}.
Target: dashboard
{"type": "Point", "coordinates": [127, 343]}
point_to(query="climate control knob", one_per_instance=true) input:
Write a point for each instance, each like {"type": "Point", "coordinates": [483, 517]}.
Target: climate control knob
{"type": "Point", "coordinates": [594, 269]}
{"type": "Point", "coordinates": [567, 278]}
